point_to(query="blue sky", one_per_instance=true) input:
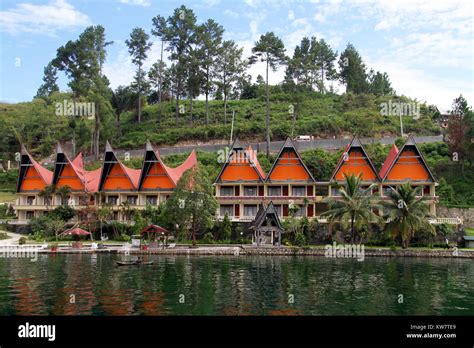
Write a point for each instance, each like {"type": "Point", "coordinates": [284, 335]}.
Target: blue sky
{"type": "Point", "coordinates": [426, 46]}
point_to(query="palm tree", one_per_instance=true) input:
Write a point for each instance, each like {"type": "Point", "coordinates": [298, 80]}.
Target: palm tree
{"type": "Point", "coordinates": [47, 193]}
{"type": "Point", "coordinates": [407, 213]}
{"type": "Point", "coordinates": [354, 207]}
{"type": "Point", "coordinates": [63, 192]}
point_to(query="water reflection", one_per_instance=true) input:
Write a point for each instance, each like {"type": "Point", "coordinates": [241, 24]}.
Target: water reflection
{"type": "Point", "coordinates": [181, 285]}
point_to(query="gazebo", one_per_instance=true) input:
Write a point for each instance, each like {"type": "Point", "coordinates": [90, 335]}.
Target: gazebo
{"type": "Point", "coordinates": [267, 227]}
{"type": "Point", "coordinates": [76, 232]}
{"type": "Point", "coordinates": [155, 233]}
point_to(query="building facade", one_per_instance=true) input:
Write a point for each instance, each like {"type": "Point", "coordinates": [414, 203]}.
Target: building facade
{"type": "Point", "coordinates": [121, 188]}
{"type": "Point", "coordinates": [242, 188]}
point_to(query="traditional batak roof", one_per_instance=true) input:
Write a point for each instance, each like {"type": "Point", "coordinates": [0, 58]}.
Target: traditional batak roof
{"type": "Point", "coordinates": [406, 164]}
{"type": "Point", "coordinates": [73, 174]}
{"type": "Point", "coordinates": [267, 215]}
{"type": "Point", "coordinates": [354, 160]}
{"type": "Point", "coordinates": [241, 165]}
{"type": "Point", "coordinates": [289, 166]}
{"type": "Point", "coordinates": [33, 176]}
{"type": "Point", "coordinates": [155, 175]}
{"type": "Point", "coordinates": [115, 176]}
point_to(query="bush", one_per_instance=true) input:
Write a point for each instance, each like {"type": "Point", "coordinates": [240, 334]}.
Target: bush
{"type": "Point", "coordinates": [208, 238]}
{"type": "Point", "coordinates": [4, 235]}
{"type": "Point", "coordinates": [123, 238]}
{"type": "Point", "coordinates": [300, 239]}
{"type": "Point", "coordinates": [22, 240]}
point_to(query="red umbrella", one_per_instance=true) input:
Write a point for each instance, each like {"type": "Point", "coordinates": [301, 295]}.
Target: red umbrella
{"type": "Point", "coordinates": [154, 229]}
{"type": "Point", "coordinates": [75, 231]}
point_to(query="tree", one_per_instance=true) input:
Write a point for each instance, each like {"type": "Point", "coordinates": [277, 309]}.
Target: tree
{"type": "Point", "coordinates": [63, 192]}
{"type": "Point", "coordinates": [229, 69]}
{"type": "Point", "coordinates": [325, 58]}
{"type": "Point", "coordinates": [226, 228]}
{"type": "Point", "coordinates": [49, 85]}
{"type": "Point", "coordinates": [352, 70]}
{"type": "Point", "coordinates": [355, 206]}
{"type": "Point", "coordinates": [379, 84]}
{"type": "Point", "coordinates": [179, 32]}
{"type": "Point", "coordinates": [82, 61]}
{"type": "Point", "coordinates": [138, 46]}
{"type": "Point", "coordinates": [47, 193]}
{"type": "Point", "coordinates": [192, 205]}
{"type": "Point", "coordinates": [157, 79]}
{"type": "Point", "coordinates": [407, 213]}
{"type": "Point", "coordinates": [269, 49]}
{"type": "Point", "coordinates": [460, 125]}
{"type": "Point", "coordinates": [122, 100]}
{"type": "Point", "coordinates": [210, 37]}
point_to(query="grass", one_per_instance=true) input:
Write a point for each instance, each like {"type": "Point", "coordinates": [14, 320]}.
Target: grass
{"type": "Point", "coordinates": [7, 197]}
{"type": "Point", "coordinates": [469, 231]}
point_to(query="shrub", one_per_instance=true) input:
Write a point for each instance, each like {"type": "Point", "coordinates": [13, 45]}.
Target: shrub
{"type": "Point", "coordinates": [300, 239]}
{"type": "Point", "coordinates": [208, 238]}
{"type": "Point", "coordinates": [4, 235]}
{"type": "Point", "coordinates": [22, 240]}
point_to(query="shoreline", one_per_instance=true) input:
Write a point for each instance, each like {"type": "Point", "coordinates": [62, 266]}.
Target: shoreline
{"type": "Point", "coordinates": [269, 251]}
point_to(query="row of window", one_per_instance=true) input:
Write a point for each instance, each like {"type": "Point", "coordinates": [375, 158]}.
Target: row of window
{"type": "Point", "coordinates": [250, 210]}
{"type": "Point", "coordinates": [298, 191]}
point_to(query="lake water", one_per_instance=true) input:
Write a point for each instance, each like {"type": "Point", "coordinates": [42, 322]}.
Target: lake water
{"type": "Point", "coordinates": [241, 285]}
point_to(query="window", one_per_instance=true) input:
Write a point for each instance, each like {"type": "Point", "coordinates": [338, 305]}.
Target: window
{"type": "Point", "coordinates": [47, 200]}
{"type": "Point", "coordinates": [229, 209]}
{"type": "Point", "coordinates": [112, 200]}
{"type": "Point", "coordinates": [227, 191]}
{"type": "Point", "coordinates": [321, 208]}
{"type": "Point", "coordinates": [274, 190]}
{"type": "Point", "coordinates": [386, 190]}
{"type": "Point", "coordinates": [132, 200]}
{"type": "Point", "coordinates": [321, 191]}
{"type": "Point", "coordinates": [151, 200]}
{"type": "Point", "coordinates": [250, 210]}
{"type": "Point", "coordinates": [30, 215]}
{"type": "Point", "coordinates": [250, 190]}
{"type": "Point", "coordinates": [298, 191]}
{"type": "Point", "coordinates": [30, 200]}
{"type": "Point", "coordinates": [335, 191]}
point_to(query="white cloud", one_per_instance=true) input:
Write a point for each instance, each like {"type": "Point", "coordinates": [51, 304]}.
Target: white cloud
{"type": "Point", "coordinates": [42, 19]}
{"type": "Point", "coordinates": [144, 3]}
{"type": "Point", "coordinates": [291, 15]}
{"type": "Point", "coordinates": [231, 13]}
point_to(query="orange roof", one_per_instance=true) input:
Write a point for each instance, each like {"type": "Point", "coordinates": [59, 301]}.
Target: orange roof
{"type": "Point", "coordinates": [176, 173]}
{"type": "Point", "coordinates": [44, 175]}
{"type": "Point", "coordinates": [253, 155]}
{"type": "Point", "coordinates": [392, 155]}
{"type": "Point", "coordinates": [407, 164]}
{"type": "Point", "coordinates": [241, 165]}
{"type": "Point", "coordinates": [289, 166]}
{"type": "Point", "coordinates": [354, 160]}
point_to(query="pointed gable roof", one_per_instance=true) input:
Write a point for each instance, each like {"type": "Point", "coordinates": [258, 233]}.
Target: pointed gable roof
{"type": "Point", "coordinates": [267, 213]}
{"type": "Point", "coordinates": [355, 165]}
{"type": "Point", "coordinates": [392, 155]}
{"type": "Point", "coordinates": [112, 163]}
{"type": "Point", "coordinates": [171, 175]}
{"type": "Point", "coordinates": [289, 157]}
{"type": "Point", "coordinates": [241, 165]}
{"type": "Point", "coordinates": [397, 168]}
{"type": "Point", "coordinates": [27, 162]}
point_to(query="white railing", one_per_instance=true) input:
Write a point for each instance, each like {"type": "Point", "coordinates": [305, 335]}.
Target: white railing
{"type": "Point", "coordinates": [449, 221]}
